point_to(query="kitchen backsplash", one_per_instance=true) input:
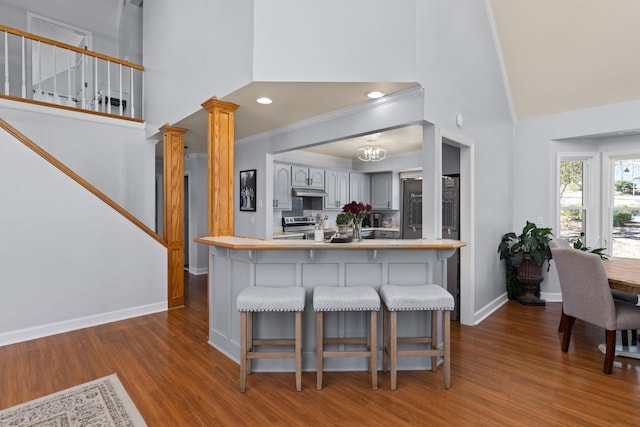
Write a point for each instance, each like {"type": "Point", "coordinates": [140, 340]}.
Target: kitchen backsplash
{"type": "Point", "coordinates": [389, 218]}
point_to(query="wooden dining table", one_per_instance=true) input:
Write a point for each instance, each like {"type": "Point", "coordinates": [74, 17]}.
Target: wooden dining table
{"type": "Point", "coordinates": [624, 275]}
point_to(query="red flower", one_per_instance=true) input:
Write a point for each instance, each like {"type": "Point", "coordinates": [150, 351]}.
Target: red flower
{"type": "Point", "coordinates": [356, 210]}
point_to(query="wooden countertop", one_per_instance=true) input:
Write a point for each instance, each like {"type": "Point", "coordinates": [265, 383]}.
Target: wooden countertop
{"type": "Point", "coordinates": [246, 243]}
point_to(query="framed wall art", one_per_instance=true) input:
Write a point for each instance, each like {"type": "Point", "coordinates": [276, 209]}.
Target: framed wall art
{"type": "Point", "coordinates": [248, 190]}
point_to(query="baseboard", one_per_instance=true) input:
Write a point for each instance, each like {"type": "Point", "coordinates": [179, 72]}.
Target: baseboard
{"type": "Point", "coordinates": [27, 334]}
{"type": "Point", "coordinates": [488, 309]}
{"type": "Point", "coordinates": [551, 296]}
{"type": "Point", "coordinates": [198, 271]}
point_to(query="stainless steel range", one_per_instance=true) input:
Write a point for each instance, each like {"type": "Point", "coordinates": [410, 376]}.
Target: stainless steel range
{"type": "Point", "coordinates": [299, 224]}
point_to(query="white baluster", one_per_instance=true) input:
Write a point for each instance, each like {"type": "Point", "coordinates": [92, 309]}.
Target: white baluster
{"type": "Point", "coordinates": [96, 105]}
{"type": "Point", "coordinates": [24, 71]}
{"type": "Point", "coordinates": [6, 63]}
{"type": "Point", "coordinates": [56, 99]}
{"type": "Point", "coordinates": [131, 105]}
{"type": "Point", "coordinates": [69, 97]}
{"type": "Point", "coordinates": [82, 75]}
{"type": "Point", "coordinates": [38, 94]}
{"type": "Point", "coordinates": [108, 101]}
{"type": "Point", "coordinates": [120, 76]}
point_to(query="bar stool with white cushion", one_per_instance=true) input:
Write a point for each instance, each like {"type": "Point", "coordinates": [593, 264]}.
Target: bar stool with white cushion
{"type": "Point", "coordinates": [340, 299]}
{"type": "Point", "coordinates": [416, 298]}
{"type": "Point", "coordinates": [261, 299]}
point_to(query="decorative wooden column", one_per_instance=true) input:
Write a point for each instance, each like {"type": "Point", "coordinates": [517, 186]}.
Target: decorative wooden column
{"type": "Point", "coordinates": [174, 212]}
{"type": "Point", "coordinates": [220, 164]}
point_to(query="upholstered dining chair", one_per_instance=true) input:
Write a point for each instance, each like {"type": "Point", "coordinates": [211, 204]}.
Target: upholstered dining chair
{"type": "Point", "coordinates": [586, 296]}
{"type": "Point", "coordinates": [559, 243]}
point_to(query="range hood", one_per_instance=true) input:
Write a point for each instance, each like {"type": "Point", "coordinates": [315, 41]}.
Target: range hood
{"type": "Point", "coordinates": [308, 192]}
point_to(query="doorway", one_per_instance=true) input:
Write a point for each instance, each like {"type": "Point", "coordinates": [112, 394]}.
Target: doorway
{"type": "Point", "coordinates": [457, 161]}
{"type": "Point", "coordinates": [57, 74]}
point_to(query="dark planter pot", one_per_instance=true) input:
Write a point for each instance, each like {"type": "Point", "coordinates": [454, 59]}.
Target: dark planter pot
{"type": "Point", "coordinates": [530, 276]}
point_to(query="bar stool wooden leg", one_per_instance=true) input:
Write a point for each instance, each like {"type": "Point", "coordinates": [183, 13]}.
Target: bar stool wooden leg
{"type": "Point", "coordinates": [385, 339]}
{"type": "Point", "coordinates": [373, 348]}
{"type": "Point", "coordinates": [447, 348]}
{"type": "Point", "coordinates": [434, 339]}
{"type": "Point", "coordinates": [243, 350]}
{"type": "Point", "coordinates": [249, 365]}
{"type": "Point", "coordinates": [319, 350]}
{"type": "Point", "coordinates": [393, 324]}
{"type": "Point", "coordinates": [298, 350]}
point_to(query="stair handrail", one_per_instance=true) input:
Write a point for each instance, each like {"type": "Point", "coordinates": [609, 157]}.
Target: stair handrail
{"type": "Point", "coordinates": [71, 174]}
{"type": "Point", "coordinates": [98, 98]}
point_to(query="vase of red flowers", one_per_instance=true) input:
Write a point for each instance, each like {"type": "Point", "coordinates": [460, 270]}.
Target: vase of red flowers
{"type": "Point", "coordinates": [356, 211]}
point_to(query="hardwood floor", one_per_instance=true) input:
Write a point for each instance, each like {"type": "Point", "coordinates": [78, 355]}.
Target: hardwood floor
{"type": "Point", "coordinates": [508, 370]}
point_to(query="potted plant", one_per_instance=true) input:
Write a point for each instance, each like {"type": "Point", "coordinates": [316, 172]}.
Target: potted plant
{"type": "Point", "coordinates": [342, 221]}
{"type": "Point", "coordinates": [582, 247]}
{"type": "Point", "coordinates": [526, 254]}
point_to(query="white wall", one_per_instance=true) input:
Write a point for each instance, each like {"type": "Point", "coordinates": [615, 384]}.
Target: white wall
{"type": "Point", "coordinates": [458, 66]}
{"type": "Point", "coordinates": [68, 260]}
{"type": "Point", "coordinates": [335, 40]}
{"type": "Point", "coordinates": [195, 165]}
{"type": "Point", "coordinates": [111, 154]}
{"type": "Point", "coordinates": [191, 52]}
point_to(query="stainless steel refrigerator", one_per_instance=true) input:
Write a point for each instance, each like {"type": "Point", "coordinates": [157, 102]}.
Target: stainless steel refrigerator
{"type": "Point", "coordinates": [411, 222]}
{"type": "Point", "coordinates": [451, 230]}
{"type": "Point", "coordinates": [411, 208]}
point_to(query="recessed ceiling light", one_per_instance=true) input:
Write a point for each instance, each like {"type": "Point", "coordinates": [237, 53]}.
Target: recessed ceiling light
{"type": "Point", "coordinates": [375, 94]}
{"type": "Point", "coordinates": [264, 100]}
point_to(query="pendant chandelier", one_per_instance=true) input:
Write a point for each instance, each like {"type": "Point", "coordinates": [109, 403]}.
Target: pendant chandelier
{"type": "Point", "coordinates": [369, 153]}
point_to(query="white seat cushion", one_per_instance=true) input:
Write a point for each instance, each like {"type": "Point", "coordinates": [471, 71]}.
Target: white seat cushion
{"type": "Point", "coordinates": [266, 298]}
{"type": "Point", "coordinates": [349, 298]}
{"type": "Point", "coordinates": [422, 297]}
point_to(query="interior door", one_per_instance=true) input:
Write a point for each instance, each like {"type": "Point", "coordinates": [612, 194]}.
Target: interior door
{"type": "Point", "coordinates": [56, 72]}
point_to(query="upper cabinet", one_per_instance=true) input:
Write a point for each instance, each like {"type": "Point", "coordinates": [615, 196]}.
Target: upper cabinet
{"type": "Point", "coordinates": [281, 186]}
{"type": "Point", "coordinates": [385, 191]}
{"type": "Point", "coordinates": [337, 188]}
{"type": "Point", "coordinates": [304, 176]}
{"type": "Point", "coordinates": [359, 187]}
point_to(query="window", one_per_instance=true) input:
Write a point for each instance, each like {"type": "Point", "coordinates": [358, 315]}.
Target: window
{"type": "Point", "coordinates": [602, 204]}
{"type": "Point", "coordinates": [575, 195]}
{"type": "Point", "coordinates": [624, 207]}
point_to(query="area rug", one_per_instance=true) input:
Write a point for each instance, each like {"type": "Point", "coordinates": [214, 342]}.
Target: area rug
{"type": "Point", "coordinates": [102, 402]}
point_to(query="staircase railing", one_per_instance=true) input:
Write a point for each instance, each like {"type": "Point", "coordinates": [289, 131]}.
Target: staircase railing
{"type": "Point", "coordinates": [44, 71]}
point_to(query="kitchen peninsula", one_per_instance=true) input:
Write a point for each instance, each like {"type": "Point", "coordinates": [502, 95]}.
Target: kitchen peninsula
{"type": "Point", "coordinates": [238, 262]}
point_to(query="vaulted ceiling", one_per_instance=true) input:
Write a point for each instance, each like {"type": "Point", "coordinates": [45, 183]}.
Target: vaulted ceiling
{"type": "Point", "coordinates": [565, 55]}
{"type": "Point", "coordinates": [557, 55]}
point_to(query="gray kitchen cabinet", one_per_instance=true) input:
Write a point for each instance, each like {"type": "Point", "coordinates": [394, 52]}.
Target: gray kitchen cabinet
{"type": "Point", "coordinates": [359, 187]}
{"type": "Point", "coordinates": [304, 176]}
{"type": "Point", "coordinates": [337, 189]}
{"type": "Point", "coordinates": [281, 186]}
{"type": "Point", "coordinates": [385, 234]}
{"type": "Point", "coordinates": [385, 189]}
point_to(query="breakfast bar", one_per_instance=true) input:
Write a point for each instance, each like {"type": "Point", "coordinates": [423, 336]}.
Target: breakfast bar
{"type": "Point", "coordinates": [238, 262]}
